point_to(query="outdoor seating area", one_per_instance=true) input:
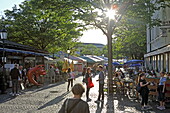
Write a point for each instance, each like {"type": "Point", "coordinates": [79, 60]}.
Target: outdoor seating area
{"type": "Point", "coordinates": [127, 86]}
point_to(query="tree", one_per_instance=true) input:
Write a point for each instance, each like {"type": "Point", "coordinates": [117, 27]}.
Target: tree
{"type": "Point", "coordinates": [42, 24]}
{"type": "Point", "coordinates": [93, 12]}
{"type": "Point", "coordinates": [90, 50]}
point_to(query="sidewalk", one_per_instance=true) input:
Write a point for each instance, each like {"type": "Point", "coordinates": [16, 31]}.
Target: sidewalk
{"type": "Point", "coordinates": [49, 99]}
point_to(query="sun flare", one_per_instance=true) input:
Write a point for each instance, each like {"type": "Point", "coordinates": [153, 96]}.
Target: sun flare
{"type": "Point", "coordinates": [111, 14]}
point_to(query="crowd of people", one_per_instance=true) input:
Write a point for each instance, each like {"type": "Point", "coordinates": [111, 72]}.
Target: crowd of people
{"type": "Point", "coordinates": [19, 79]}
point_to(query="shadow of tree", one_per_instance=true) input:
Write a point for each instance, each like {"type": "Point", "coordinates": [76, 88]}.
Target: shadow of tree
{"type": "Point", "coordinates": [44, 87]}
{"type": "Point", "coordinates": [6, 97]}
{"type": "Point", "coordinates": [132, 104]}
{"type": "Point", "coordinates": [54, 101]}
{"type": "Point", "coordinates": [99, 107]}
{"type": "Point", "coordinates": [110, 104]}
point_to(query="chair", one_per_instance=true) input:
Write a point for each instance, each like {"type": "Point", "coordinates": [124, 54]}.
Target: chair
{"type": "Point", "coordinates": [153, 87]}
{"type": "Point", "coordinates": [167, 94]}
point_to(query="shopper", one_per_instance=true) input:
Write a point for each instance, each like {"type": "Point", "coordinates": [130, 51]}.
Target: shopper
{"type": "Point", "coordinates": [144, 92]}
{"type": "Point", "coordinates": [14, 76]}
{"type": "Point", "coordinates": [75, 104]}
{"type": "Point", "coordinates": [101, 84]}
{"type": "Point", "coordinates": [88, 75]}
{"type": "Point", "coordinates": [161, 91]}
{"type": "Point", "coordinates": [70, 78]}
{"type": "Point", "coordinates": [52, 74]}
{"type": "Point", "coordinates": [22, 79]}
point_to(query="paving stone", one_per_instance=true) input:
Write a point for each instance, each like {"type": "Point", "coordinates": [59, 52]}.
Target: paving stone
{"type": "Point", "coordinates": [49, 99]}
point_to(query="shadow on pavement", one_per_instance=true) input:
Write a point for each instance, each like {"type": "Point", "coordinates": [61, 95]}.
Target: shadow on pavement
{"type": "Point", "coordinates": [54, 101]}
{"type": "Point", "coordinates": [6, 97]}
{"type": "Point", "coordinates": [99, 107]}
{"type": "Point", "coordinates": [110, 104]}
{"type": "Point", "coordinates": [44, 87]}
{"type": "Point", "coordinates": [126, 104]}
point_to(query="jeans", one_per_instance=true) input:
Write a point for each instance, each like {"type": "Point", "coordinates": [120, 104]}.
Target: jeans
{"type": "Point", "coordinates": [70, 81]}
{"type": "Point", "coordinates": [14, 85]}
{"type": "Point", "coordinates": [101, 92]}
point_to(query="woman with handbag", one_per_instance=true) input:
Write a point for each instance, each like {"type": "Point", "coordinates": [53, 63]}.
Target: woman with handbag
{"type": "Point", "coordinates": [75, 104]}
{"type": "Point", "coordinates": [88, 81]}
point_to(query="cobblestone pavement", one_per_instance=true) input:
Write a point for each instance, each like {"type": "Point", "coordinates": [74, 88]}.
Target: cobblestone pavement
{"type": "Point", "coordinates": [49, 99]}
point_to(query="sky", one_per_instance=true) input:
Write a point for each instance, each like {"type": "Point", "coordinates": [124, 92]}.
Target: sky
{"type": "Point", "coordinates": [90, 36]}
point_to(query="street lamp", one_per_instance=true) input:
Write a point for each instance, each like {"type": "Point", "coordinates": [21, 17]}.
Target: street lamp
{"type": "Point", "coordinates": [3, 34]}
{"type": "Point", "coordinates": [68, 51]}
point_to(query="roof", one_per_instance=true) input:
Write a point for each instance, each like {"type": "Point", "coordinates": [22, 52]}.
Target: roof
{"type": "Point", "coordinates": [90, 59]}
{"type": "Point", "coordinates": [13, 45]}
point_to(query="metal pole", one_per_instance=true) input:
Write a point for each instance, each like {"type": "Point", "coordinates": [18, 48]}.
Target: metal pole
{"type": "Point", "coordinates": [3, 76]}
{"type": "Point", "coordinates": [68, 58]}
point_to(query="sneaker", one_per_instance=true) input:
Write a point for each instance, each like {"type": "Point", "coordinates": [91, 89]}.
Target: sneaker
{"type": "Point", "coordinates": [143, 108]}
{"type": "Point", "coordinates": [13, 94]}
{"type": "Point", "coordinates": [163, 107]}
{"type": "Point", "coordinates": [17, 94]}
{"type": "Point", "coordinates": [160, 107]}
{"type": "Point", "coordinates": [97, 101]}
{"type": "Point", "coordinates": [148, 107]}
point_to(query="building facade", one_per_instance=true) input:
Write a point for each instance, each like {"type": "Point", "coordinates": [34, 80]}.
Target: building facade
{"type": "Point", "coordinates": [158, 43]}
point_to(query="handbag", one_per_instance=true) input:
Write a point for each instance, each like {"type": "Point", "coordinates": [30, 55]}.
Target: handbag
{"type": "Point", "coordinates": [138, 88]}
{"type": "Point", "coordinates": [90, 83]}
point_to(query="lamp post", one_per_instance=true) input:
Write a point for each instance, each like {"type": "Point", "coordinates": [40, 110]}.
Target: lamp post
{"type": "Point", "coordinates": [3, 34]}
{"type": "Point", "coordinates": [68, 51]}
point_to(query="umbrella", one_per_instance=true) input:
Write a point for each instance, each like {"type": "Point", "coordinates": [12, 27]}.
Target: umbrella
{"type": "Point", "coordinates": [135, 65]}
{"type": "Point", "coordinates": [115, 63]}
{"type": "Point", "coordinates": [72, 66]}
{"type": "Point", "coordinates": [134, 61]}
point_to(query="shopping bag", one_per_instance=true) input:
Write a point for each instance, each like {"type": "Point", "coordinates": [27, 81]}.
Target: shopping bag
{"type": "Point", "coordinates": [22, 86]}
{"type": "Point", "coordinates": [90, 83]}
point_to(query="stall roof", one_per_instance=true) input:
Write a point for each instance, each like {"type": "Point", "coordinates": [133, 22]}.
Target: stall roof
{"type": "Point", "coordinates": [90, 59]}
{"type": "Point", "coordinates": [21, 51]}
{"type": "Point", "coordinates": [13, 45]}
{"type": "Point", "coordinates": [96, 57]}
{"type": "Point", "coordinates": [77, 58]}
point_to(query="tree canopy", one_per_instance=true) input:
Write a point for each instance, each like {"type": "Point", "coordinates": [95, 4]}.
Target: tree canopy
{"type": "Point", "coordinates": [44, 24]}
{"type": "Point", "coordinates": [56, 24]}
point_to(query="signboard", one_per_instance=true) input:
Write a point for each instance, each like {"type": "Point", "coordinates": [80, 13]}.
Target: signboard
{"type": "Point", "coordinates": [9, 66]}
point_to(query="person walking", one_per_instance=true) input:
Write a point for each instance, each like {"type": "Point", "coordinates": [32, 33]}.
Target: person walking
{"type": "Point", "coordinates": [71, 76]}
{"type": "Point", "coordinates": [52, 74]}
{"type": "Point", "coordinates": [144, 92]}
{"type": "Point", "coordinates": [161, 91]}
{"type": "Point", "coordinates": [101, 84]}
{"type": "Point", "coordinates": [75, 104]}
{"type": "Point", "coordinates": [14, 76]}
{"type": "Point", "coordinates": [22, 77]}
{"type": "Point", "coordinates": [88, 75]}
